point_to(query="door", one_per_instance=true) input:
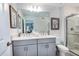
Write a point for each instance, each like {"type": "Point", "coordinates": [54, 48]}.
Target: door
{"type": "Point", "coordinates": [4, 31]}
{"type": "Point", "coordinates": [29, 50]}
{"type": "Point", "coordinates": [46, 49]}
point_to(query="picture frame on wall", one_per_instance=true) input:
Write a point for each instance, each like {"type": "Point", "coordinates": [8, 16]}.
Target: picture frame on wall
{"type": "Point", "coordinates": [13, 17]}
{"type": "Point", "coordinates": [54, 23]}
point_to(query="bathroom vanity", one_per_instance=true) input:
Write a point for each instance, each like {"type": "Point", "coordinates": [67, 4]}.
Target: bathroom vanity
{"type": "Point", "coordinates": [34, 46]}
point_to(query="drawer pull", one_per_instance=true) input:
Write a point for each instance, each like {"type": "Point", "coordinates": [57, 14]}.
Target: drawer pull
{"type": "Point", "coordinates": [46, 46]}
{"type": "Point", "coordinates": [25, 49]}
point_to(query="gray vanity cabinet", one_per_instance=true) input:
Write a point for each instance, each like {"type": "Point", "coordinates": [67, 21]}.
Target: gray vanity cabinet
{"type": "Point", "coordinates": [28, 50]}
{"type": "Point", "coordinates": [46, 49]}
{"type": "Point", "coordinates": [35, 47]}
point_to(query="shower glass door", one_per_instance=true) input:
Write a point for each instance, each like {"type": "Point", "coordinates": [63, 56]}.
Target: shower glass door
{"type": "Point", "coordinates": [73, 33]}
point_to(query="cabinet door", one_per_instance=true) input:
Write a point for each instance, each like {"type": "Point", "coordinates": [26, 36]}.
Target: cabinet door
{"type": "Point", "coordinates": [46, 49]}
{"type": "Point", "coordinates": [52, 49]}
{"type": "Point", "coordinates": [32, 50]}
{"type": "Point", "coordinates": [29, 50]}
{"type": "Point", "coordinates": [42, 49]}
{"type": "Point", "coordinates": [19, 51]}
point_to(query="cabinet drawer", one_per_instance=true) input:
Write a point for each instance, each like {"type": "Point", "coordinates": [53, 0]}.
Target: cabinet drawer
{"type": "Point", "coordinates": [47, 40]}
{"type": "Point", "coordinates": [24, 42]}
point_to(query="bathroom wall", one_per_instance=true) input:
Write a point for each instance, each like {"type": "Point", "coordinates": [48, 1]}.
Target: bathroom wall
{"type": "Point", "coordinates": [57, 12]}
{"type": "Point", "coordinates": [68, 10]}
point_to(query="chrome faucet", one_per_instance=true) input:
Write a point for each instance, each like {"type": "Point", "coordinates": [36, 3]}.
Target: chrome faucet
{"type": "Point", "coordinates": [19, 34]}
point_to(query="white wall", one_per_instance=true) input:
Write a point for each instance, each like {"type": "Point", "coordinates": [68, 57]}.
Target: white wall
{"type": "Point", "coordinates": [58, 13]}
{"type": "Point", "coordinates": [68, 10]}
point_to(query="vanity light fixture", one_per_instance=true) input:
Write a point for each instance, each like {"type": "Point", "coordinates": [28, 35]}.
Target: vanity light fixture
{"type": "Point", "coordinates": [34, 8]}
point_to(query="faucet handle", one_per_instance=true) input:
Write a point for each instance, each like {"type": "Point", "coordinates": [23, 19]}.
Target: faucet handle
{"type": "Point", "coordinates": [19, 34]}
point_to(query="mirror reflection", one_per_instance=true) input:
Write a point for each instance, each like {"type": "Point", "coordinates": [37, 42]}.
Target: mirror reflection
{"type": "Point", "coordinates": [34, 19]}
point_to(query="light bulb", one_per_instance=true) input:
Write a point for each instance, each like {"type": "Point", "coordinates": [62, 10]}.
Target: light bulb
{"type": "Point", "coordinates": [39, 9]}
{"type": "Point", "coordinates": [31, 8]}
{"type": "Point", "coordinates": [34, 8]}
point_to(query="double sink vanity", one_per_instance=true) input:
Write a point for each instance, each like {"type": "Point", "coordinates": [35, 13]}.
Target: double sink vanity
{"type": "Point", "coordinates": [34, 46]}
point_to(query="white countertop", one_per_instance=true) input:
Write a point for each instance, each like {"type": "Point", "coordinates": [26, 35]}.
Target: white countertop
{"type": "Point", "coordinates": [32, 37]}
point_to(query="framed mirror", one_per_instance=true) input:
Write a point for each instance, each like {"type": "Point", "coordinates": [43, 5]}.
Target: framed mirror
{"type": "Point", "coordinates": [13, 17]}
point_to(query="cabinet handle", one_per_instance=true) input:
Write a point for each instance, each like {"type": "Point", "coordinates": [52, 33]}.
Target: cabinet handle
{"type": "Point", "coordinates": [25, 49]}
{"type": "Point", "coordinates": [47, 46]}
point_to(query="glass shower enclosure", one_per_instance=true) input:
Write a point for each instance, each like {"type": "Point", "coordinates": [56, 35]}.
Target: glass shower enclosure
{"type": "Point", "coordinates": [72, 33]}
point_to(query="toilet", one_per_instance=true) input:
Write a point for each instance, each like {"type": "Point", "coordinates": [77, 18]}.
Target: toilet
{"type": "Point", "coordinates": [62, 50]}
